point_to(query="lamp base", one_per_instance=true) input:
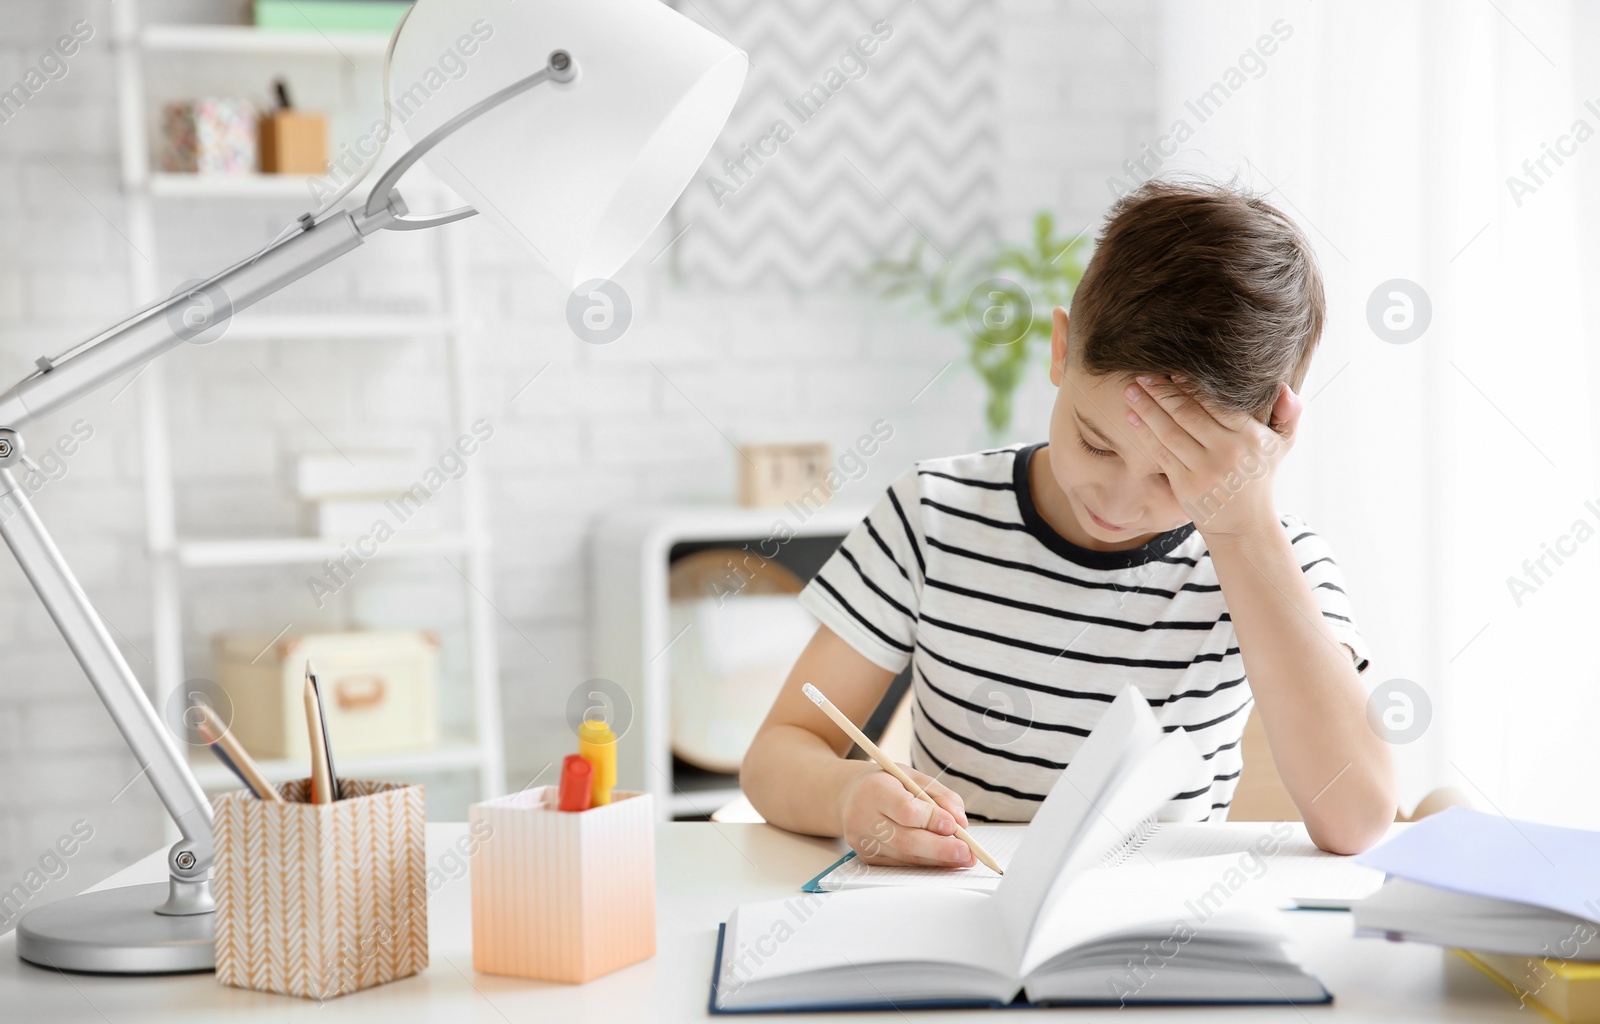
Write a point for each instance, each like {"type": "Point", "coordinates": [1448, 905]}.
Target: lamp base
{"type": "Point", "coordinates": [117, 931]}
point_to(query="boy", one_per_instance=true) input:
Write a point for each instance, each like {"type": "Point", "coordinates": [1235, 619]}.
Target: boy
{"type": "Point", "coordinates": [1139, 545]}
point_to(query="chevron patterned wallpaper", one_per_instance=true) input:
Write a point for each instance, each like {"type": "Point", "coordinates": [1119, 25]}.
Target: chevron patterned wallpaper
{"type": "Point", "coordinates": [864, 125]}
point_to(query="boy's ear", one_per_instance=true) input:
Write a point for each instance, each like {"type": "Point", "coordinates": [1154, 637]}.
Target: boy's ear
{"type": "Point", "coordinates": [1058, 345]}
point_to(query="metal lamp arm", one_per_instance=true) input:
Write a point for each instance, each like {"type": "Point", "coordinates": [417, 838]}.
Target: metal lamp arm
{"type": "Point", "coordinates": [126, 348]}
{"type": "Point", "coordinates": [560, 67]}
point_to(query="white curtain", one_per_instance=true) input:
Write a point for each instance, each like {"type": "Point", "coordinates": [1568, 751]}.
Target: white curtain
{"type": "Point", "coordinates": [1438, 467]}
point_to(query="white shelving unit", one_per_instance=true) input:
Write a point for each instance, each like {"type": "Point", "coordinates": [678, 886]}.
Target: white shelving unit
{"type": "Point", "coordinates": [151, 195]}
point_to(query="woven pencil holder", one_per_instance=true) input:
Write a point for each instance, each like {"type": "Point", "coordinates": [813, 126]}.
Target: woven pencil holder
{"type": "Point", "coordinates": [562, 895]}
{"type": "Point", "coordinates": [317, 900]}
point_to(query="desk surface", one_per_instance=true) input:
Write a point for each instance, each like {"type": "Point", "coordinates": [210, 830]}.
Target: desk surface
{"type": "Point", "coordinates": [704, 870]}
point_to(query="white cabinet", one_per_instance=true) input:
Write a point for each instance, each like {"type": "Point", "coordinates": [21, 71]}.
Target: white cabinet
{"type": "Point", "coordinates": [631, 554]}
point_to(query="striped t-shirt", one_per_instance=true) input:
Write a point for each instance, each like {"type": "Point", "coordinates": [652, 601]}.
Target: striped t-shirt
{"type": "Point", "coordinates": [1018, 639]}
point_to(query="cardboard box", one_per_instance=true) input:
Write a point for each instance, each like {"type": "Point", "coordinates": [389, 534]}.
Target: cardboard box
{"type": "Point", "coordinates": [293, 142]}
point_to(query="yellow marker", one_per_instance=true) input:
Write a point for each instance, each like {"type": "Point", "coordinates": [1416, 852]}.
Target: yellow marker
{"type": "Point", "coordinates": [597, 744]}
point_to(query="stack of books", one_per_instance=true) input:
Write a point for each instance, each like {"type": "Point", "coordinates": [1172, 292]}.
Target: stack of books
{"type": "Point", "coordinates": [330, 15]}
{"type": "Point", "coordinates": [1518, 900]}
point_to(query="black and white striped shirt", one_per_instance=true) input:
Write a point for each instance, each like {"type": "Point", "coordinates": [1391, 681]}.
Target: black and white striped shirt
{"type": "Point", "coordinates": [1019, 639]}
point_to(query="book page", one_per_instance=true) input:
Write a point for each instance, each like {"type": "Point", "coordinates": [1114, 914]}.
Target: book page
{"type": "Point", "coordinates": [1152, 904]}
{"type": "Point", "coordinates": [1273, 857]}
{"type": "Point", "coordinates": [1000, 840]}
{"type": "Point", "coordinates": [1276, 861]}
{"type": "Point", "coordinates": [1115, 751]}
{"type": "Point", "coordinates": [854, 940]}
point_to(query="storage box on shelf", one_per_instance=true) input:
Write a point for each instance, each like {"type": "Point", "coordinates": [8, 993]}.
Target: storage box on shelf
{"type": "Point", "coordinates": [379, 687]}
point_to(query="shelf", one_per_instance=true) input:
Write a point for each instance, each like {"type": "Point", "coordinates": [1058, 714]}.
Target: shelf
{"type": "Point", "coordinates": [212, 775]}
{"type": "Point", "coordinates": [233, 186]}
{"type": "Point", "coordinates": [291, 550]}
{"type": "Point", "coordinates": [294, 327]}
{"type": "Point", "coordinates": [241, 39]}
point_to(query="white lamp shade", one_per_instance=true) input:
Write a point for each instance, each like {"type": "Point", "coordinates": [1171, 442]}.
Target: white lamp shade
{"type": "Point", "coordinates": [580, 172]}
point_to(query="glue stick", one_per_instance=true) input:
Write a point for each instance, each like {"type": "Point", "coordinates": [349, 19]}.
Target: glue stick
{"type": "Point", "coordinates": [598, 745]}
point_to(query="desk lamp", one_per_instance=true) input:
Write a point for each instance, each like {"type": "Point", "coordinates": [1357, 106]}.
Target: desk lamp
{"type": "Point", "coordinates": [575, 126]}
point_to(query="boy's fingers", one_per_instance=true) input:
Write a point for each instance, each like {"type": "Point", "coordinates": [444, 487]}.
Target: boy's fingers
{"type": "Point", "coordinates": [1186, 410]}
{"type": "Point", "coordinates": [919, 847]}
{"type": "Point", "coordinates": [1157, 436]}
{"type": "Point", "coordinates": [941, 795]}
{"type": "Point", "coordinates": [947, 798]}
{"type": "Point", "coordinates": [904, 809]}
{"type": "Point", "coordinates": [1286, 413]}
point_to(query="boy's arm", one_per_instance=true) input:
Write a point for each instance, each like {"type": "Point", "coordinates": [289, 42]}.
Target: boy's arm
{"type": "Point", "coordinates": [1335, 766]}
{"type": "Point", "coordinates": [796, 775]}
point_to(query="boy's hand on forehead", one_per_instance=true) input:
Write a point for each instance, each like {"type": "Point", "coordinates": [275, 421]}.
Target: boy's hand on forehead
{"type": "Point", "coordinates": [1218, 462]}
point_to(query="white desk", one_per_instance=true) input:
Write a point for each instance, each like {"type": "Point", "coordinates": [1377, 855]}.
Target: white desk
{"type": "Point", "coordinates": [704, 870]}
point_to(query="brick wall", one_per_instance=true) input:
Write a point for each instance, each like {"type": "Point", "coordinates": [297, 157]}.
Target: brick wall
{"type": "Point", "coordinates": [640, 420]}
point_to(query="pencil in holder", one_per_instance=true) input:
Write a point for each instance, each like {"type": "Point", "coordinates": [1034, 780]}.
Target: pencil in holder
{"type": "Point", "coordinates": [317, 900]}
{"type": "Point", "coordinates": [562, 895]}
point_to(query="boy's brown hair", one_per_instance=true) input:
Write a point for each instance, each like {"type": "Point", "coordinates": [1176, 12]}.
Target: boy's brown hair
{"type": "Point", "coordinates": [1203, 280]}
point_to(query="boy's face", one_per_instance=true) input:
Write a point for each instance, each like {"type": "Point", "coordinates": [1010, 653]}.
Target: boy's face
{"type": "Point", "coordinates": [1117, 495]}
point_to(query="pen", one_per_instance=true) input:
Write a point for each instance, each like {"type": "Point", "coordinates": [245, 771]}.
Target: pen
{"type": "Point", "coordinates": [323, 789]}
{"type": "Point", "coordinates": [327, 737]}
{"type": "Point", "coordinates": [871, 750]}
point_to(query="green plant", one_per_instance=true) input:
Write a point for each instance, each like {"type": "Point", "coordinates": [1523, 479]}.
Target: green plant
{"type": "Point", "coordinates": [1000, 301]}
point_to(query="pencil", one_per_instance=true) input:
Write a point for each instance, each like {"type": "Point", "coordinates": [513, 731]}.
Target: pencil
{"type": "Point", "coordinates": [871, 749]}
{"type": "Point", "coordinates": [233, 754]}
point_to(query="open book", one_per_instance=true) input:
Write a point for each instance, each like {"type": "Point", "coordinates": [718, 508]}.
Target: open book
{"type": "Point", "coordinates": [1059, 928]}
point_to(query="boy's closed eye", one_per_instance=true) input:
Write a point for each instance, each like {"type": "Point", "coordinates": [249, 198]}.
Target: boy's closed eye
{"type": "Point", "coordinates": [1092, 440]}
{"type": "Point", "coordinates": [1092, 450]}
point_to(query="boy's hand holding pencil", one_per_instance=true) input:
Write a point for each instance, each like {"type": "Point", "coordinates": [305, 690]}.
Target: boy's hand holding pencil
{"type": "Point", "coordinates": [899, 815]}
{"type": "Point", "coordinates": [885, 824]}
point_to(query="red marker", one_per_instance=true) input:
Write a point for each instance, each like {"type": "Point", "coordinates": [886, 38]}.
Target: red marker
{"type": "Point", "coordinates": [575, 787]}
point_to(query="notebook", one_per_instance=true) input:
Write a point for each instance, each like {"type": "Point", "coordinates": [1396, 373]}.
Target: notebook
{"type": "Point", "coordinates": [1566, 991]}
{"type": "Point", "coordinates": [1280, 861]}
{"type": "Point", "coordinates": [1063, 927]}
